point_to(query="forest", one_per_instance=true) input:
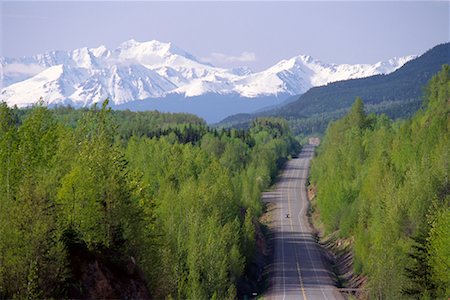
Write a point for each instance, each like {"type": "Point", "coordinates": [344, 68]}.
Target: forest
{"type": "Point", "coordinates": [384, 186]}
{"type": "Point", "coordinates": [97, 203]}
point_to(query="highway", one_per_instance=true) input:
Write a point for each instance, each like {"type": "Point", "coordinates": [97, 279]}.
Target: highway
{"type": "Point", "coordinates": [298, 270]}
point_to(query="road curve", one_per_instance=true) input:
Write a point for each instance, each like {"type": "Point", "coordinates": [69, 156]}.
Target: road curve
{"type": "Point", "coordinates": [298, 270]}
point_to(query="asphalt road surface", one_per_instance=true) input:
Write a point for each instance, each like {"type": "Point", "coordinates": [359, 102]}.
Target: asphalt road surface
{"type": "Point", "coordinates": [298, 270]}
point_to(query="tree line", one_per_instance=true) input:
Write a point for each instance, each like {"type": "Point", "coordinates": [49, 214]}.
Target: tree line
{"type": "Point", "coordinates": [385, 186]}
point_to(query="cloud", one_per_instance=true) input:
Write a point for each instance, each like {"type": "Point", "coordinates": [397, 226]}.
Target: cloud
{"type": "Point", "coordinates": [220, 58]}
{"type": "Point", "coordinates": [26, 69]}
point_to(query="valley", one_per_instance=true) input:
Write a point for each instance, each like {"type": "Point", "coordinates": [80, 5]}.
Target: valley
{"type": "Point", "coordinates": [225, 150]}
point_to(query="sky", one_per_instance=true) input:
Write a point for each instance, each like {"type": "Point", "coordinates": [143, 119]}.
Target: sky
{"type": "Point", "coordinates": [257, 34]}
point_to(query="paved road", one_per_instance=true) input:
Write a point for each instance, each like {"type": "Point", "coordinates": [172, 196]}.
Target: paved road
{"type": "Point", "coordinates": [298, 270]}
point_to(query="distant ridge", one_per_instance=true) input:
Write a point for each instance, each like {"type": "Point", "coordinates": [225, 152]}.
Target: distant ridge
{"type": "Point", "coordinates": [398, 94]}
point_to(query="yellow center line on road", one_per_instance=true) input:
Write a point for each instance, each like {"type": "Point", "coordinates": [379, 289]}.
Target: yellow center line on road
{"type": "Point", "coordinates": [302, 287]}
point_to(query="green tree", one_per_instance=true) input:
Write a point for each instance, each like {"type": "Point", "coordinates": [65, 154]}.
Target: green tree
{"type": "Point", "coordinates": [33, 259]}
{"type": "Point", "coordinates": [379, 182]}
{"type": "Point", "coordinates": [95, 195]}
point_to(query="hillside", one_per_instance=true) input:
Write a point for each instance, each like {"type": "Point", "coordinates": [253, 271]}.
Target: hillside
{"type": "Point", "coordinates": [383, 189]}
{"type": "Point", "coordinates": [398, 94]}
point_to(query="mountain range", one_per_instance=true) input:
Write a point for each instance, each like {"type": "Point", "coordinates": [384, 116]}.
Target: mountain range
{"type": "Point", "coordinates": [157, 75]}
{"type": "Point", "coordinates": [398, 95]}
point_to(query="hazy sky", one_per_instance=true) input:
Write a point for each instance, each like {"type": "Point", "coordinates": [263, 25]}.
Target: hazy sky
{"type": "Point", "coordinates": [256, 34]}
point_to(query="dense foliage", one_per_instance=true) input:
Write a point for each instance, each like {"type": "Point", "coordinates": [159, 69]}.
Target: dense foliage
{"type": "Point", "coordinates": [179, 200]}
{"type": "Point", "coordinates": [385, 186]}
{"type": "Point", "coordinates": [149, 123]}
{"type": "Point", "coordinates": [398, 95]}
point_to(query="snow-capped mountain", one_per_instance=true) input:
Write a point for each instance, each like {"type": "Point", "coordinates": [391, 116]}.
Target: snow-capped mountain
{"type": "Point", "coordinates": [145, 70]}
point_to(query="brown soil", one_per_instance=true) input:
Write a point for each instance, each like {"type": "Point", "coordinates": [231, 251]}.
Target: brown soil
{"type": "Point", "coordinates": [103, 275]}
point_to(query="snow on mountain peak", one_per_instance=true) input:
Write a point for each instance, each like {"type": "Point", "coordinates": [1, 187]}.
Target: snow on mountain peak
{"type": "Point", "coordinates": [152, 46]}
{"type": "Point", "coordinates": [53, 85]}
{"type": "Point", "coordinates": [153, 69]}
{"type": "Point", "coordinates": [152, 53]}
{"type": "Point", "coordinates": [100, 52]}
